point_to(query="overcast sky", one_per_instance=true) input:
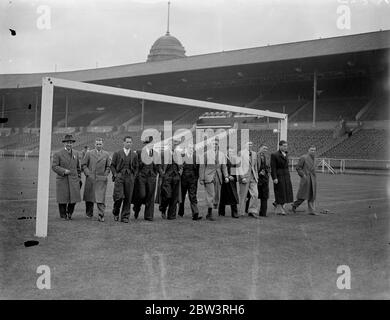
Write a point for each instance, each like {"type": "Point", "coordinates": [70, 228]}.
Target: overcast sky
{"type": "Point", "coordinates": [82, 34]}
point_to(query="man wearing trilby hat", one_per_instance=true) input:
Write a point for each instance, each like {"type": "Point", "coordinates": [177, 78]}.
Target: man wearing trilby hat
{"type": "Point", "coordinates": [66, 165]}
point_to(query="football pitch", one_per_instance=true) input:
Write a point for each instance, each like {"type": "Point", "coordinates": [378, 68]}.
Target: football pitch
{"type": "Point", "coordinates": [276, 257]}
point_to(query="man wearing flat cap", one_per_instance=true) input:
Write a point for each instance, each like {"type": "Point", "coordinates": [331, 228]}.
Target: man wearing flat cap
{"type": "Point", "coordinates": [145, 182]}
{"type": "Point", "coordinates": [66, 165]}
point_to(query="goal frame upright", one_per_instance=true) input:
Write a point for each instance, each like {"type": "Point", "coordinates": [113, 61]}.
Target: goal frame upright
{"type": "Point", "coordinates": [44, 165]}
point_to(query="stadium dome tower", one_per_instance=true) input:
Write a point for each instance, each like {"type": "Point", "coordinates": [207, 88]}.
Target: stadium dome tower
{"type": "Point", "coordinates": [166, 47]}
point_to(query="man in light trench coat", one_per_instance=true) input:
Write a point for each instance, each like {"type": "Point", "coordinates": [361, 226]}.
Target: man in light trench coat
{"type": "Point", "coordinates": [306, 169]}
{"type": "Point", "coordinates": [96, 167]}
{"type": "Point", "coordinates": [66, 165]}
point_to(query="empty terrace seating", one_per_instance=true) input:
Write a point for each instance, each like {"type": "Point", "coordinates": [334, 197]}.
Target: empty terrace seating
{"type": "Point", "coordinates": [379, 110]}
{"type": "Point", "coordinates": [298, 140]}
{"type": "Point", "coordinates": [24, 141]}
{"type": "Point", "coordinates": [363, 144]}
{"type": "Point", "coordinates": [82, 120]}
{"type": "Point", "coordinates": [19, 119]}
{"type": "Point", "coordinates": [331, 110]}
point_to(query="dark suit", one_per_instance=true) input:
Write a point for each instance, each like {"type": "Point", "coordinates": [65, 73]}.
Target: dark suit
{"type": "Point", "coordinates": [124, 170]}
{"type": "Point", "coordinates": [189, 182]}
{"type": "Point", "coordinates": [145, 186]}
{"type": "Point", "coordinates": [170, 191]}
{"type": "Point", "coordinates": [279, 170]}
{"type": "Point", "coordinates": [263, 183]}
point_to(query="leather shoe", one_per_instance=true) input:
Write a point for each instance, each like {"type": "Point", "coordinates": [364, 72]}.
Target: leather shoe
{"type": "Point", "coordinates": [149, 219]}
{"type": "Point", "coordinates": [69, 216]}
{"type": "Point", "coordinates": [163, 215]}
{"type": "Point", "coordinates": [125, 220]}
{"type": "Point", "coordinates": [293, 209]}
{"type": "Point", "coordinates": [196, 217]}
{"type": "Point", "coordinates": [116, 218]}
{"type": "Point", "coordinates": [210, 218]}
{"type": "Point", "coordinates": [236, 216]}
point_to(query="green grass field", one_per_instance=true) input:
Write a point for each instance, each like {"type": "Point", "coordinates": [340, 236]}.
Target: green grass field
{"type": "Point", "coordinates": [292, 257]}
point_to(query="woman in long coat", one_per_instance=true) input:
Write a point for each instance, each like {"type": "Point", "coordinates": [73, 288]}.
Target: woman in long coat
{"type": "Point", "coordinates": [229, 194]}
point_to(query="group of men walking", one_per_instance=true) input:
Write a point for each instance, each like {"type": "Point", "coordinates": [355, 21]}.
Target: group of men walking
{"type": "Point", "coordinates": [240, 181]}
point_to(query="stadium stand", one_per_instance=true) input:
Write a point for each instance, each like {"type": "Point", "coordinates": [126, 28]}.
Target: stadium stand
{"type": "Point", "coordinates": [364, 144]}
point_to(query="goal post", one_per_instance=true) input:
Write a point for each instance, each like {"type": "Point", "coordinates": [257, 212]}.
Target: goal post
{"type": "Point", "coordinates": [44, 166]}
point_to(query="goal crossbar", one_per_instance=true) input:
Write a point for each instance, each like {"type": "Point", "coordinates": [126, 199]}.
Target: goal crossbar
{"type": "Point", "coordinates": [48, 84]}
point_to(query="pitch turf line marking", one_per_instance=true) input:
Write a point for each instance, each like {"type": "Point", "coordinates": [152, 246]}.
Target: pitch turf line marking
{"type": "Point", "coordinates": [163, 272]}
{"type": "Point", "coordinates": [152, 282]}
{"type": "Point", "coordinates": [308, 243]}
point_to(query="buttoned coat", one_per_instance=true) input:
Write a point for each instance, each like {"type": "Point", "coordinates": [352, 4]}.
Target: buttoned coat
{"type": "Point", "coordinates": [96, 167]}
{"type": "Point", "coordinates": [307, 171]}
{"type": "Point", "coordinates": [67, 186]}
{"type": "Point", "coordinates": [279, 170]}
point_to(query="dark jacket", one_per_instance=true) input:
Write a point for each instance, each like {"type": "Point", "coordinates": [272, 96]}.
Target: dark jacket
{"type": "Point", "coordinates": [118, 160]}
{"type": "Point", "coordinates": [263, 182]}
{"type": "Point", "coordinates": [279, 170]}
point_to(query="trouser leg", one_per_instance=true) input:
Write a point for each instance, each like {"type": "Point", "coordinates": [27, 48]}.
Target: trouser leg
{"type": "Point", "coordinates": [298, 202]}
{"type": "Point", "coordinates": [234, 210]}
{"type": "Point", "coordinates": [209, 188]}
{"type": "Point", "coordinates": [70, 208]}
{"type": "Point", "coordinates": [217, 192]}
{"type": "Point", "coordinates": [243, 192]}
{"type": "Point", "coordinates": [62, 210]}
{"type": "Point", "coordinates": [89, 208]}
{"type": "Point", "coordinates": [192, 190]}
{"type": "Point", "coordinates": [310, 205]}
{"type": "Point", "coordinates": [117, 207]}
{"type": "Point", "coordinates": [174, 200]}
{"type": "Point", "coordinates": [128, 193]}
{"type": "Point", "coordinates": [101, 208]}
{"type": "Point", "coordinates": [221, 209]}
{"type": "Point", "coordinates": [263, 207]}
{"type": "Point", "coordinates": [149, 198]}
{"type": "Point", "coordinates": [253, 200]}
{"type": "Point", "coordinates": [184, 188]}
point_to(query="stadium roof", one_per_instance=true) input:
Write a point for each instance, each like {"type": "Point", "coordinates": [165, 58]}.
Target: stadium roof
{"type": "Point", "coordinates": [364, 42]}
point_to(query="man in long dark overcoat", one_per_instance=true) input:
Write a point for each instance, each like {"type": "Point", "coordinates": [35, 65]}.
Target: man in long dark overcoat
{"type": "Point", "coordinates": [229, 194]}
{"type": "Point", "coordinates": [96, 168]}
{"type": "Point", "coordinates": [124, 168]}
{"type": "Point", "coordinates": [263, 182]}
{"type": "Point", "coordinates": [306, 169]}
{"type": "Point", "coordinates": [281, 178]}
{"type": "Point", "coordinates": [66, 165]}
{"type": "Point", "coordinates": [145, 183]}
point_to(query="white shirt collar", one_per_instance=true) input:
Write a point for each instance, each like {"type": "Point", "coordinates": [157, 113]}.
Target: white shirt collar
{"type": "Point", "coordinates": [127, 151]}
